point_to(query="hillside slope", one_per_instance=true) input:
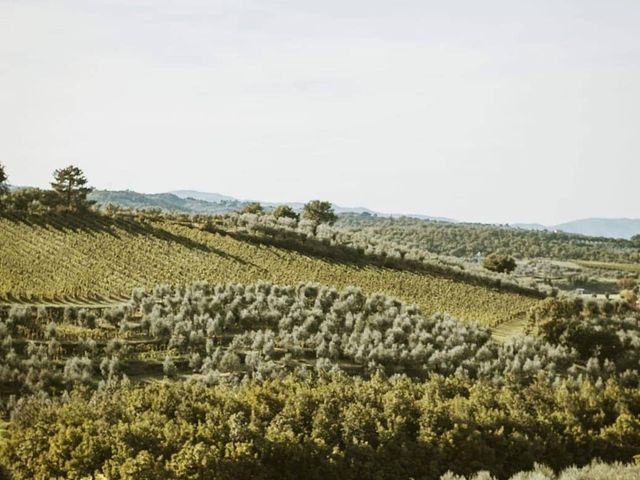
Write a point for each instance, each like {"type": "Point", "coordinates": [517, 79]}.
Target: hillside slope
{"type": "Point", "coordinates": [93, 258]}
{"type": "Point", "coordinates": [472, 240]}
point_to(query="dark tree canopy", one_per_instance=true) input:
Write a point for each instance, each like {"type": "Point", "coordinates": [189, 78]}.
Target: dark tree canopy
{"type": "Point", "coordinates": [4, 189]}
{"type": "Point", "coordinates": [71, 186]}
{"type": "Point", "coordinates": [32, 199]}
{"type": "Point", "coordinates": [3, 180]}
{"type": "Point", "coordinates": [284, 211]}
{"type": "Point", "coordinates": [636, 240]}
{"type": "Point", "coordinates": [319, 212]}
{"type": "Point", "coordinates": [497, 262]}
{"type": "Point", "coordinates": [253, 207]}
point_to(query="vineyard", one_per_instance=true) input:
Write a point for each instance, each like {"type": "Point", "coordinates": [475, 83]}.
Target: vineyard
{"type": "Point", "coordinates": [248, 306]}
{"type": "Point", "coordinates": [166, 347]}
{"type": "Point", "coordinates": [619, 267]}
{"type": "Point", "coordinates": [92, 259]}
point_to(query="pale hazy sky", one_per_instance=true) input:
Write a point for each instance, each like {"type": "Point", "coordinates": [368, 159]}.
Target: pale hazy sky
{"type": "Point", "coordinates": [496, 111]}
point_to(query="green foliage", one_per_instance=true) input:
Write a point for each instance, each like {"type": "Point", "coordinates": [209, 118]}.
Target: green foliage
{"type": "Point", "coordinates": [469, 240]}
{"type": "Point", "coordinates": [477, 404]}
{"type": "Point", "coordinates": [608, 342]}
{"type": "Point", "coordinates": [557, 308]}
{"type": "Point", "coordinates": [168, 202]}
{"type": "Point", "coordinates": [497, 262]}
{"type": "Point", "coordinates": [629, 296]}
{"type": "Point", "coordinates": [574, 308]}
{"type": "Point", "coordinates": [633, 268]}
{"type": "Point", "coordinates": [3, 180]}
{"type": "Point", "coordinates": [71, 186]}
{"type": "Point", "coordinates": [318, 211]}
{"type": "Point", "coordinates": [69, 192]}
{"type": "Point", "coordinates": [169, 367]}
{"type": "Point", "coordinates": [330, 427]}
{"type": "Point", "coordinates": [284, 211]}
{"type": "Point", "coordinates": [253, 207]}
{"type": "Point", "coordinates": [91, 257]}
{"type": "Point", "coordinates": [328, 242]}
{"type": "Point", "coordinates": [313, 326]}
{"type": "Point", "coordinates": [207, 331]}
{"type": "Point", "coordinates": [32, 200]}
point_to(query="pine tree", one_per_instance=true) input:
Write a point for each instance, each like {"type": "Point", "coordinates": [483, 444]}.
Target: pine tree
{"type": "Point", "coordinates": [319, 212]}
{"type": "Point", "coordinates": [71, 186]}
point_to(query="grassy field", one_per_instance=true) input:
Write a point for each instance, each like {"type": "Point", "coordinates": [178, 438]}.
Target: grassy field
{"type": "Point", "coordinates": [95, 260]}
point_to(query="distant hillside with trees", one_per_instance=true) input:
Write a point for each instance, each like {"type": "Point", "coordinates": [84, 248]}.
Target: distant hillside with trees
{"type": "Point", "coordinates": [471, 240]}
{"type": "Point", "coordinates": [164, 201]}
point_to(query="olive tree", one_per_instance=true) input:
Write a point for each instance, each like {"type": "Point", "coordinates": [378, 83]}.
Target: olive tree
{"type": "Point", "coordinates": [284, 211]}
{"type": "Point", "coordinates": [253, 207]}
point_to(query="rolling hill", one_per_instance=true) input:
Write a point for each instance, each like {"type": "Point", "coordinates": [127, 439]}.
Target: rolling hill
{"type": "Point", "coordinates": [85, 259]}
{"type": "Point", "coordinates": [164, 201]}
{"type": "Point", "coordinates": [192, 201]}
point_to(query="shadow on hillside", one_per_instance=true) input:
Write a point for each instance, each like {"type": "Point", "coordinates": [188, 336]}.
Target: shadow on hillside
{"type": "Point", "coordinates": [95, 224]}
{"type": "Point", "coordinates": [356, 258]}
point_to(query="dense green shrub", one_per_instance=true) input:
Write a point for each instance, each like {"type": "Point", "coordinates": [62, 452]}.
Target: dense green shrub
{"type": "Point", "coordinates": [500, 263]}
{"type": "Point", "coordinates": [331, 427]}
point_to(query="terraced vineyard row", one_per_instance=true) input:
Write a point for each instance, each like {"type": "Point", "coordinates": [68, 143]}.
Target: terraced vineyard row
{"type": "Point", "coordinates": [622, 267]}
{"type": "Point", "coordinates": [92, 258]}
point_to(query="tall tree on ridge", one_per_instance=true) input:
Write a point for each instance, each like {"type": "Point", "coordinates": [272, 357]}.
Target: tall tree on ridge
{"type": "Point", "coordinates": [319, 212]}
{"type": "Point", "coordinates": [71, 186]}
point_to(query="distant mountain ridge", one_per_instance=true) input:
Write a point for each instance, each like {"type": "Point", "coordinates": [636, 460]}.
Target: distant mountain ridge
{"type": "Point", "coordinates": [592, 227]}
{"type": "Point", "coordinates": [603, 227]}
{"type": "Point", "coordinates": [298, 206]}
{"type": "Point", "coordinates": [192, 201]}
{"type": "Point", "coordinates": [207, 197]}
{"type": "Point", "coordinates": [530, 226]}
{"type": "Point", "coordinates": [164, 201]}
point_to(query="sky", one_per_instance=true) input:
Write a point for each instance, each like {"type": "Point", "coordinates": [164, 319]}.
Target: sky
{"type": "Point", "coordinates": [495, 111]}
